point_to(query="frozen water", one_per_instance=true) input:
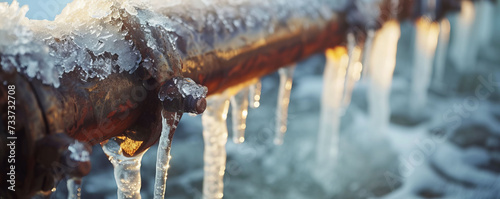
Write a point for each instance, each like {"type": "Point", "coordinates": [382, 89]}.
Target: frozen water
{"type": "Point", "coordinates": [354, 68]}
{"type": "Point", "coordinates": [285, 88]}
{"type": "Point", "coordinates": [462, 32]}
{"type": "Point", "coordinates": [74, 188]}
{"type": "Point", "coordinates": [78, 152]}
{"type": "Point", "coordinates": [126, 170]}
{"type": "Point", "coordinates": [382, 63]}
{"type": "Point", "coordinates": [441, 52]}
{"type": "Point", "coordinates": [215, 138]}
{"type": "Point", "coordinates": [255, 91]}
{"type": "Point", "coordinates": [367, 49]}
{"type": "Point", "coordinates": [331, 107]}
{"type": "Point", "coordinates": [19, 50]}
{"type": "Point", "coordinates": [239, 113]}
{"type": "Point", "coordinates": [425, 42]}
{"type": "Point", "coordinates": [169, 124]}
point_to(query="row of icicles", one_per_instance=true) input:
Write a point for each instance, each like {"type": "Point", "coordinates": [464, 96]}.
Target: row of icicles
{"type": "Point", "coordinates": [375, 61]}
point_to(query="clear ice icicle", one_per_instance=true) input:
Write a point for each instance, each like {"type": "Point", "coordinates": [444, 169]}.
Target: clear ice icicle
{"type": "Point", "coordinates": [382, 63]}
{"type": "Point", "coordinates": [426, 42]}
{"type": "Point", "coordinates": [331, 106]}
{"type": "Point", "coordinates": [255, 91]}
{"type": "Point", "coordinates": [215, 138]}
{"type": "Point", "coordinates": [441, 52]}
{"type": "Point", "coordinates": [367, 51]}
{"type": "Point", "coordinates": [239, 112]}
{"type": "Point", "coordinates": [286, 80]}
{"type": "Point", "coordinates": [169, 124]}
{"type": "Point", "coordinates": [127, 170]}
{"type": "Point", "coordinates": [354, 68]}
{"type": "Point", "coordinates": [462, 35]}
{"type": "Point", "coordinates": [74, 188]}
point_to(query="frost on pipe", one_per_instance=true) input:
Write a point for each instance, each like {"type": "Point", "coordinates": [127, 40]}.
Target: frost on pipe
{"type": "Point", "coordinates": [285, 88]}
{"type": "Point", "coordinates": [382, 63]}
{"type": "Point", "coordinates": [331, 108]}
{"type": "Point", "coordinates": [127, 170]}
{"type": "Point", "coordinates": [239, 113]}
{"type": "Point", "coordinates": [214, 154]}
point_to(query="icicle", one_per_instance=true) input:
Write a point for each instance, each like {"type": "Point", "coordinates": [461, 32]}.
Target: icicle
{"type": "Point", "coordinates": [426, 41]}
{"type": "Point", "coordinates": [169, 124]}
{"type": "Point", "coordinates": [74, 188]}
{"type": "Point", "coordinates": [382, 63]}
{"type": "Point", "coordinates": [461, 36]}
{"type": "Point", "coordinates": [286, 80]}
{"type": "Point", "coordinates": [331, 106]}
{"type": "Point", "coordinates": [354, 68]}
{"type": "Point", "coordinates": [255, 91]}
{"type": "Point", "coordinates": [239, 112]}
{"type": "Point", "coordinates": [367, 51]}
{"type": "Point", "coordinates": [127, 170]}
{"type": "Point", "coordinates": [215, 138]}
{"type": "Point", "coordinates": [441, 51]}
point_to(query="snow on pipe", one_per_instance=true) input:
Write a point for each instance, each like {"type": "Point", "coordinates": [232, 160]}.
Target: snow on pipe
{"type": "Point", "coordinates": [239, 113]}
{"type": "Point", "coordinates": [285, 88]}
{"type": "Point", "coordinates": [425, 42]}
{"type": "Point", "coordinates": [382, 63]}
{"type": "Point", "coordinates": [331, 106]}
{"type": "Point", "coordinates": [214, 154]}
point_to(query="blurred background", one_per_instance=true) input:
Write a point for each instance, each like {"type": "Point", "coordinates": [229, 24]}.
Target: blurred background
{"type": "Point", "coordinates": [450, 150]}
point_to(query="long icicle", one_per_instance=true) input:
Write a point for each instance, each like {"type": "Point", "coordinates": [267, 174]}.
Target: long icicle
{"type": "Point", "coordinates": [127, 170]}
{"type": "Point", "coordinates": [286, 80]}
{"type": "Point", "coordinates": [354, 68]}
{"type": "Point", "coordinates": [441, 52]}
{"type": "Point", "coordinates": [239, 113]}
{"type": "Point", "coordinates": [255, 92]}
{"type": "Point", "coordinates": [169, 124]}
{"type": "Point", "coordinates": [367, 49]}
{"type": "Point", "coordinates": [215, 138]}
{"type": "Point", "coordinates": [382, 63]}
{"type": "Point", "coordinates": [74, 188]}
{"type": "Point", "coordinates": [426, 42]}
{"type": "Point", "coordinates": [331, 106]}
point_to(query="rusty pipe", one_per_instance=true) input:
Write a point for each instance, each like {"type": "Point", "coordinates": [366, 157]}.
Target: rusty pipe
{"type": "Point", "coordinates": [206, 49]}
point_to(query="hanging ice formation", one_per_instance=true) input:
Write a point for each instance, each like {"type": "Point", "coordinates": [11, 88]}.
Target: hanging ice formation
{"type": "Point", "coordinates": [286, 80]}
{"type": "Point", "coordinates": [169, 124]}
{"type": "Point", "coordinates": [74, 188]}
{"type": "Point", "coordinates": [331, 105]}
{"type": "Point", "coordinates": [367, 49]}
{"type": "Point", "coordinates": [127, 170]}
{"type": "Point", "coordinates": [353, 72]}
{"type": "Point", "coordinates": [239, 113]}
{"type": "Point", "coordinates": [461, 36]}
{"type": "Point", "coordinates": [382, 63]}
{"type": "Point", "coordinates": [441, 52]}
{"type": "Point", "coordinates": [177, 95]}
{"type": "Point", "coordinates": [215, 138]}
{"type": "Point", "coordinates": [425, 41]}
{"type": "Point", "coordinates": [255, 91]}
{"type": "Point", "coordinates": [79, 153]}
